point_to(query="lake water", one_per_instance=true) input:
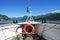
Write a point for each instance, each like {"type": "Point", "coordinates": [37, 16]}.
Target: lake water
{"type": "Point", "coordinates": [23, 20]}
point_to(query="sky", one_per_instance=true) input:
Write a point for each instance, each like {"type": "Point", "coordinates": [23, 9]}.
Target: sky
{"type": "Point", "coordinates": [16, 8]}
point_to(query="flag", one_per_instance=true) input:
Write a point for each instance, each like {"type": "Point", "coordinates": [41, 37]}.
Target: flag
{"type": "Point", "coordinates": [27, 9]}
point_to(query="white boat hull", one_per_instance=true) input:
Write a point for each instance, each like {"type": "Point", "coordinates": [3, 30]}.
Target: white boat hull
{"type": "Point", "coordinates": [48, 31]}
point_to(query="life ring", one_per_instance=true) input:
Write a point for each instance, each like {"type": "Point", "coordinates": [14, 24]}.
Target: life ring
{"type": "Point", "coordinates": [26, 27]}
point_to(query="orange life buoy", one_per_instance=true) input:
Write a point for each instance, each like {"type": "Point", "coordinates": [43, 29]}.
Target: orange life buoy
{"type": "Point", "coordinates": [26, 27]}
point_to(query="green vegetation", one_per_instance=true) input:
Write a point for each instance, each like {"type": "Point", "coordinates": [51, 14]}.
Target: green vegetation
{"type": "Point", "coordinates": [50, 16]}
{"type": "Point", "coordinates": [3, 17]}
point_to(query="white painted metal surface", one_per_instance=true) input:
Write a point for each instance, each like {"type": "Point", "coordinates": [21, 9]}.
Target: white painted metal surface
{"type": "Point", "coordinates": [7, 31]}
{"type": "Point", "coordinates": [50, 31]}
{"type": "Point", "coordinates": [29, 22]}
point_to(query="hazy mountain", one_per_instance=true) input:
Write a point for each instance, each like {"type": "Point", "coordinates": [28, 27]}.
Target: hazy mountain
{"type": "Point", "coordinates": [3, 17]}
{"type": "Point", "coordinates": [50, 16]}
{"type": "Point", "coordinates": [54, 15]}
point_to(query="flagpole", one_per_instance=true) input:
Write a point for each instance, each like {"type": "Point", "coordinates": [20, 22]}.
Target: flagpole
{"type": "Point", "coordinates": [29, 10]}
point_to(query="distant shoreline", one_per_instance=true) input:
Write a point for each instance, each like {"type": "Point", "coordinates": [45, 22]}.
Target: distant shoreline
{"type": "Point", "coordinates": [4, 17]}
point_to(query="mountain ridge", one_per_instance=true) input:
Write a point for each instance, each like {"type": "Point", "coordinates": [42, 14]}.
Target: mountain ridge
{"type": "Point", "coordinates": [50, 16]}
{"type": "Point", "coordinates": [3, 17]}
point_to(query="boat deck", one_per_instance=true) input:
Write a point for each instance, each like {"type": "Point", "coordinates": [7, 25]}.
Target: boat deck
{"type": "Point", "coordinates": [51, 31]}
